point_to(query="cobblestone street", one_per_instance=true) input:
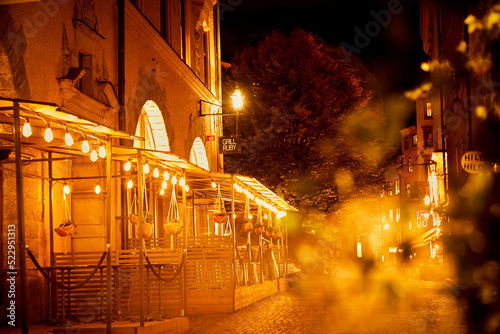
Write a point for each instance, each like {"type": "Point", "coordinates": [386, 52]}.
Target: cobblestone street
{"type": "Point", "coordinates": [319, 304]}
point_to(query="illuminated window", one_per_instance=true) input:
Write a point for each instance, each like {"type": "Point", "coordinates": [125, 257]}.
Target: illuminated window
{"type": "Point", "coordinates": [428, 110]}
{"type": "Point", "coordinates": [408, 190]}
{"type": "Point", "coordinates": [397, 187]}
{"type": "Point", "coordinates": [410, 166]}
{"type": "Point", "coordinates": [414, 140]}
{"type": "Point", "coordinates": [410, 225]}
{"type": "Point", "coordinates": [391, 216]}
{"type": "Point", "coordinates": [398, 215]}
{"type": "Point", "coordinates": [406, 140]}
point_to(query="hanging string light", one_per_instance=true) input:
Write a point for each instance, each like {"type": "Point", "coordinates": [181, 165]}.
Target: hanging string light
{"type": "Point", "coordinates": [146, 168]}
{"type": "Point", "coordinates": [156, 172]}
{"type": "Point", "coordinates": [130, 184]}
{"type": "Point", "coordinates": [174, 180]}
{"type": "Point", "coordinates": [187, 188]}
{"type": "Point", "coordinates": [162, 191]}
{"type": "Point", "coordinates": [164, 184]}
{"type": "Point", "coordinates": [102, 152]}
{"type": "Point", "coordinates": [182, 182]}
{"type": "Point", "coordinates": [93, 156]}
{"type": "Point", "coordinates": [66, 189]}
{"type": "Point", "coordinates": [85, 146]}
{"type": "Point", "coordinates": [97, 189]}
{"type": "Point", "coordinates": [49, 136]}
{"type": "Point", "coordinates": [213, 184]}
{"type": "Point", "coordinates": [68, 140]}
{"type": "Point", "coordinates": [27, 128]}
{"type": "Point", "coordinates": [166, 176]}
{"type": "Point", "coordinates": [127, 166]}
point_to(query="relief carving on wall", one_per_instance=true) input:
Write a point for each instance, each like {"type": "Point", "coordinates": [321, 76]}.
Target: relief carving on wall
{"type": "Point", "coordinates": [85, 12]}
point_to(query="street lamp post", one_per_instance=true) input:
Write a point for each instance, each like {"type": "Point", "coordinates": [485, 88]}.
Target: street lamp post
{"type": "Point", "coordinates": [237, 99]}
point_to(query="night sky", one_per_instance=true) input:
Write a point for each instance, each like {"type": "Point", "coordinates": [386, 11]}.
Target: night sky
{"type": "Point", "coordinates": [393, 52]}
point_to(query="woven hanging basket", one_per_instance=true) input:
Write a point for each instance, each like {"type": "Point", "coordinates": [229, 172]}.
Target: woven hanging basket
{"type": "Point", "coordinates": [174, 227]}
{"type": "Point", "coordinates": [65, 228]}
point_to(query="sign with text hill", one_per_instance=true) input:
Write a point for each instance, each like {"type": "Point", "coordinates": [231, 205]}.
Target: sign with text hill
{"type": "Point", "coordinates": [230, 145]}
{"type": "Point", "coordinates": [474, 162]}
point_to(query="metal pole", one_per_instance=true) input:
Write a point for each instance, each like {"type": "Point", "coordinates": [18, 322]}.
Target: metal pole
{"type": "Point", "coordinates": [53, 273]}
{"type": "Point", "coordinates": [184, 268]}
{"type": "Point", "coordinates": [20, 221]}
{"type": "Point", "coordinates": [140, 196]}
{"type": "Point", "coordinates": [109, 194]}
{"type": "Point", "coordinates": [233, 222]}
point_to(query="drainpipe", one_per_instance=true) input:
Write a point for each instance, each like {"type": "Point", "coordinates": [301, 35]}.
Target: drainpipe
{"type": "Point", "coordinates": [122, 122]}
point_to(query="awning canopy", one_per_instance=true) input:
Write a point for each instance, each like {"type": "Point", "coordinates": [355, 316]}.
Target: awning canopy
{"type": "Point", "coordinates": [42, 115]}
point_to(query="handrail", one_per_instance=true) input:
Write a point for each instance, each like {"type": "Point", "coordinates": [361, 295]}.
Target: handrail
{"type": "Point", "coordinates": [62, 286]}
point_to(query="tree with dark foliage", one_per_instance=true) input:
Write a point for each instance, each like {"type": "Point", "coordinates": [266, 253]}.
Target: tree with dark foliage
{"type": "Point", "coordinates": [312, 124]}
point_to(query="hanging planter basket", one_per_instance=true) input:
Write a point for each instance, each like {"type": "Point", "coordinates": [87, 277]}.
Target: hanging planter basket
{"type": "Point", "coordinates": [174, 225]}
{"type": "Point", "coordinates": [247, 225]}
{"type": "Point", "coordinates": [271, 232]}
{"type": "Point", "coordinates": [147, 230]}
{"type": "Point", "coordinates": [65, 228]}
{"type": "Point", "coordinates": [220, 215]}
{"type": "Point", "coordinates": [220, 218]}
{"type": "Point", "coordinates": [259, 229]}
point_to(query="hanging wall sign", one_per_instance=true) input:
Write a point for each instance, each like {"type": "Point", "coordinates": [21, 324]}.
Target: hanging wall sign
{"type": "Point", "coordinates": [210, 137]}
{"type": "Point", "coordinates": [474, 162]}
{"type": "Point", "coordinates": [230, 145]}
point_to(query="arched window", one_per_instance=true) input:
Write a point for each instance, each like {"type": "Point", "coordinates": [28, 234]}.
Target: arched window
{"type": "Point", "coordinates": [155, 133]}
{"type": "Point", "coordinates": [198, 155]}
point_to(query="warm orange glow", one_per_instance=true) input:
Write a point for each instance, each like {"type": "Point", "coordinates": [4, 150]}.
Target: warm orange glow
{"type": "Point", "coordinates": [68, 139]}
{"type": "Point", "coordinates": [164, 184]}
{"type": "Point", "coordinates": [27, 128]}
{"type": "Point", "coordinates": [130, 184]}
{"type": "Point", "coordinates": [85, 146]}
{"type": "Point", "coordinates": [166, 176]}
{"type": "Point", "coordinates": [127, 166]}
{"type": "Point", "coordinates": [102, 152]}
{"type": "Point", "coordinates": [237, 98]}
{"type": "Point", "coordinates": [93, 156]}
{"type": "Point", "coordinates": [97, 189]}
{"type": "Point", "coordinates": [49, 136]}
{"type": "Point", "coordinates": [156, 172]}
{"type": "Point", "coordinates": [66, 189]}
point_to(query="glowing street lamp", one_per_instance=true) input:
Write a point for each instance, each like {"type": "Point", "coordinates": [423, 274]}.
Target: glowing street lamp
{"type": "Point", "coordinates": [237, 99]}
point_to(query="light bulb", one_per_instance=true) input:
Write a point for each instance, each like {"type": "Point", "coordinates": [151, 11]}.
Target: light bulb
{"type": "Point", "coordinates": [66, 189]}
{"type": "Point", "coordinates": [187, 188]}
{"type": "Point", "coordinates": [182, 182]}
{"type": "Point", "coordinates": [250, 216]}
{"type": "Point", "coordinates": [102, 152]}
{"type": "Point", "coordinates": [166, 176]}
{"type": "Point", "coordinates": [130, 184]}
{"type": "Point", "coordinates": [156, 172]}
{"type": "Point", "coordinates": [97, 189]}
{"type": "Point", "coordinates": [68, 139]}
{"type": "Point", "coordinates": [93, 156]}
{"type": "Point", "coordinates": [49, 136]}
{"type": "Point", "coordinates": [174, 180]}
{"type": "Point", "coordinates": [213, 184]}
{"type": "Point", "coordinates": [85, 146]}
{"type": "Point", "coordinates": [162, 191]}
{"type": "Point", "coordinates": [146, 168]}
{"type": "Point", "coordinates": [27, 128]}
{"type": "Point", "coordinates": [164, 184]}
{"type": "Point", "coordinates": [127, 166]}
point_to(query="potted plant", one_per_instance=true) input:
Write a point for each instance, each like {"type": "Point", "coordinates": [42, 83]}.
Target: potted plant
{"type": "Point", "coordinates": [174, 224]}
{"type": "Point", "coordinates": [259, 229]}
{"type": "Point", "coordinates": [247, 225]}
{"type": "Point", "coordinates": [65, 228]}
